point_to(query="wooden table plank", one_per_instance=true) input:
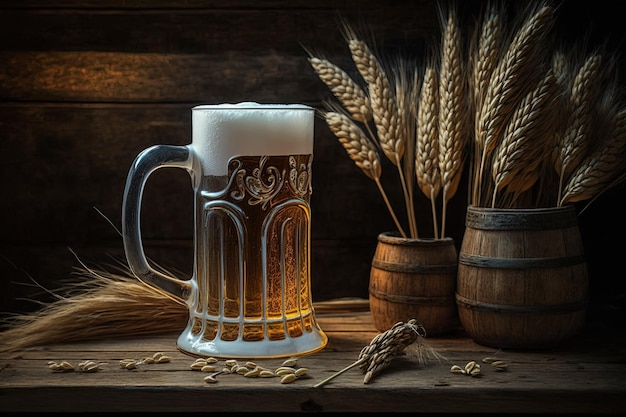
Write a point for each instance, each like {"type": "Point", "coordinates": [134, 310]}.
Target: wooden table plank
{"type": "Point", "coordinates": [586, 375]}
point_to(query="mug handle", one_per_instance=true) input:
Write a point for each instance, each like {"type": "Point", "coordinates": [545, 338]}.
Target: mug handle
{"type": "Point", "coordinates": [146, 162]}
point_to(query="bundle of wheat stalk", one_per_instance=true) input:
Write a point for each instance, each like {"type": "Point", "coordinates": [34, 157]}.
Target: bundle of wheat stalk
{"type": "Point", "coordinates": [421, 132]}
{"type": "Point", "coordinates": [538, 125]}
{"type": "Point", "coordinates": [95, 304]}
{"type": "Point", "coordinates": [105, 302]}
{"type": "Point", "coordinates": [548, 126]}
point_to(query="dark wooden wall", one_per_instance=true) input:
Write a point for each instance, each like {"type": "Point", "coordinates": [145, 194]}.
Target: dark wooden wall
{"type": "Point", "coordinates": [85, 85]}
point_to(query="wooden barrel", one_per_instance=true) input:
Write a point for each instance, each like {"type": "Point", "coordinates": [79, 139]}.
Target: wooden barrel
{"type": "Point", "coordinates": [414, 278]}
{"type": "Point", "coordinates": [522, 279]}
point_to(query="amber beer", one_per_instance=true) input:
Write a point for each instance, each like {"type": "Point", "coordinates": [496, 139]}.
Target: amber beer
{"type": "Point", "coordinates": [250, 293]}
{"type": "Point", "coordinates": [256, 237]}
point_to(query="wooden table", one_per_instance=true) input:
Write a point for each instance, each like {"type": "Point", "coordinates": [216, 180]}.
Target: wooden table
{"type": "Point", "coordinates": [587, 375]}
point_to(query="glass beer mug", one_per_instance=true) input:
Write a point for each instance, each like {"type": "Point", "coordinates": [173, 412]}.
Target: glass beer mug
{"type": "Point", "coordinates": [249, 295]}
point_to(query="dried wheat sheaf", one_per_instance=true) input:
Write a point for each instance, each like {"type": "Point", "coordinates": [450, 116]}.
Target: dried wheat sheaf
{"type": "Point", "coordinates": [400, 339]}
{"type": "Point", "coordinates": [421, 134]}
{"type": "Point", "coordinates": [538, 122]}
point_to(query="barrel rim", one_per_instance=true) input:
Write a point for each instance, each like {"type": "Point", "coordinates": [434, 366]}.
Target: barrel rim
{"type": "Point", "coordinates": [531, 210]}
{"type": "Point", "coordinates": [394, 238]}
{"type": "Point", "coordinates": [543, 218]}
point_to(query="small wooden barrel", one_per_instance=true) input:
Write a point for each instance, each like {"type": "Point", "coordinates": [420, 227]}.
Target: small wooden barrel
{"type": "Point", "coordinates": [414, 278]}
{"type": "Point", "coordinates": [522, 278]}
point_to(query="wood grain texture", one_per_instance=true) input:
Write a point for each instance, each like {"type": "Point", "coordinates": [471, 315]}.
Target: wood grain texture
{"type": "Point", "coordinates": [584, 376]}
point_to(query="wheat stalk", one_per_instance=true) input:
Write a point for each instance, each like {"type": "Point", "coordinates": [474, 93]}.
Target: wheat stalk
{"type": "Point", "coordinates": [406, 98]}
{"type": "Point", "coordinates": [452, 112]}
{"type": "Point", "coordinates": [526, 140]}
{"type": "Point", "coordinates": [513, 73]}
{"type": "Point", "coordinates": [484, 52]}
{"type": "Point", "coordinates": [601, 168]}
{"type": "Point", "coordinates": [427, 149]}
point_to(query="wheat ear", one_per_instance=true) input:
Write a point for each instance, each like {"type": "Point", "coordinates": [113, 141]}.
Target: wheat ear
{"type": "Point", "coordinates": [574, 143]}
{"type": "Point", "coordinates": [384, 108]}
{"type": "Point", "coordinates": [485, 49]}
{"type": "Point", "coordinates": [561, 67]}
{"type": "Point", "coordinates": [386, 346]}
{"type": "Point", "coordinates": [526, 140]}
{"type": "Point", "coordinates": [361, 150]}
{"type": "Point", "coordinates": [513, 73]}
{"type": "Point", "coordinates": [344, 88]}
{"type": "Point", "coordinates": [427, 149]}
{"type": "Point", "coordinates": [452, 112]}
{"type": "Point", "coordinates": [382, 100]}
{"type": "Point", "coordinates": [599, 170]}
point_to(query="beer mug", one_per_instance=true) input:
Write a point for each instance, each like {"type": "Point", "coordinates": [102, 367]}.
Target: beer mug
{"type": "Point", "coordinates": [249, 295]}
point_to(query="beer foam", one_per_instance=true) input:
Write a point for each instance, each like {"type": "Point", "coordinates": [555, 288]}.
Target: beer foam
{"type": "Point", "coordinates": [221, 131]}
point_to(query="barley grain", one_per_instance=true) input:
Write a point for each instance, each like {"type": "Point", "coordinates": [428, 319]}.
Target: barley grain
{"type": "Point", "coordinates": [456, 369]}
{"type": "Point", "coordinates": [207, 368]}
{"type": "Point", "coordinates": [291, 362]}
{"type": "Point", "coordinates": [253, 373]}
{"type": "Point", "coordinates": [284, 370]}
{"type": "Point", "coordinates": [499, 366]}
{"type": "Point", "coordinates": [197, 366]}
{"type": "Point", "coordinates": [288, 378]}
{"type": "Point", "coordinates": [210, 379]}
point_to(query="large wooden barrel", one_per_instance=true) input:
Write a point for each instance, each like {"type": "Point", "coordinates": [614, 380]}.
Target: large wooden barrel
{"type": "Point", "coordinates": [414, 278]}
{"type": "Point", "coordinates": [522, 278]}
